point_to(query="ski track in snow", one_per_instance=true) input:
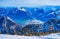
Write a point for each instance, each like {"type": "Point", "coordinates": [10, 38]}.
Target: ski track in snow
{"type": "Point", "coordinates": [50, 36]}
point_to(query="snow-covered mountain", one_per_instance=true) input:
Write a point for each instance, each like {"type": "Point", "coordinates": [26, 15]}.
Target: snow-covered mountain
{"type": "Point", "coordinates": [32, 26]}
{"type": "Point", "coordinates": [32, 18]}
{"type": "Point", "coordinates": [8, 26]}
{"type": "Point", "coordinates": [52, 24]}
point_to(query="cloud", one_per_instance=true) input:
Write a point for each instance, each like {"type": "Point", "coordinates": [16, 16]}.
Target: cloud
{"type": "Point", "coordinates": [19, 3]}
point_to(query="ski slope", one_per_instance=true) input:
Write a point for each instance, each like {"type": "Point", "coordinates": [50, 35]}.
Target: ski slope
{"type": "Point", "coordinates": [50, 36]}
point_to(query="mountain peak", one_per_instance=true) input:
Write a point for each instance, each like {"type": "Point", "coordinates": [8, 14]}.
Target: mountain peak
{"type": "Point", "coordinates": [22, 9]}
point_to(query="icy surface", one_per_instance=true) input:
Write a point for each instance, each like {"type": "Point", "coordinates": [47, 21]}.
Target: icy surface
{"type": "Point", "coordinates": [50, 36]}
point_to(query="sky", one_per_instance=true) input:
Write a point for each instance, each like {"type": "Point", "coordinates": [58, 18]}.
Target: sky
{"type": "Point", "coordinates": [30, 3]}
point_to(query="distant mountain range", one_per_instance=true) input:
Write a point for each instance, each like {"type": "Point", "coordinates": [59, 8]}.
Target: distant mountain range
{"type": "Point", "coordinates": [42, 13]}
{"type": "Point", "coordinates": [8, 26]}
{"type": "Point", "coordinates": [23, 21]}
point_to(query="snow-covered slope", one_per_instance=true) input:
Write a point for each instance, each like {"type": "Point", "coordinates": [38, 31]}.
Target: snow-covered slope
{"type": "Point", "coordinates": [51, 36]}
{"type": "Point", "coordinates": [34, 22]}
